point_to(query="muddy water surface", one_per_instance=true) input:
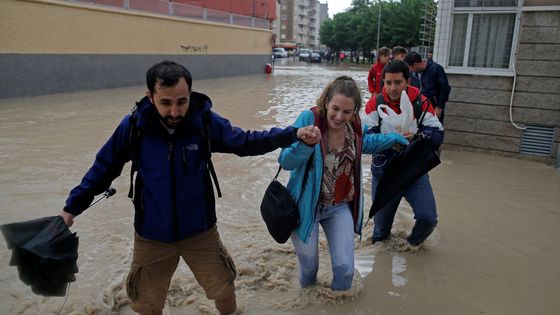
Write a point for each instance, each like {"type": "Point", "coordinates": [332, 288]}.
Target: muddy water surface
{"type": "Point", "coordinates": [495, 251]}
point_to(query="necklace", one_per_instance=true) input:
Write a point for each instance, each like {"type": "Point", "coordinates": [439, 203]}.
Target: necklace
{"type": "Point", "coordinates": [336, 140]}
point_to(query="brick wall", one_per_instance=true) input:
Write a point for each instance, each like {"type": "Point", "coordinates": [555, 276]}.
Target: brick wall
{"type": "Point", "coordinates": [477, 114]}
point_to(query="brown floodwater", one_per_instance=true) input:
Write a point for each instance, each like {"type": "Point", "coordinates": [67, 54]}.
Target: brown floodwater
{"type": "Point", "coordinates": [495, 251]}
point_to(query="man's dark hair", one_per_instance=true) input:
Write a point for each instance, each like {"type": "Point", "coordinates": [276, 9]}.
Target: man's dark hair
{"type": "Point", "coordinates": [167, 73]}
{"type": "Point", "coordinates": [412, 57]}
{"type": "Point", "coordinates": [396, 66]}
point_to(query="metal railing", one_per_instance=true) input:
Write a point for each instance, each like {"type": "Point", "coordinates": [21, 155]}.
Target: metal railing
{"type": "Point", "coordinates": [169, 8]}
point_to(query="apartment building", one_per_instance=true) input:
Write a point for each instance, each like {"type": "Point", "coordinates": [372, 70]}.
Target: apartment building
{"type": "Point", "coordinates": [502, 58]}
{"type": "Point", "coordinates": [298, 23]}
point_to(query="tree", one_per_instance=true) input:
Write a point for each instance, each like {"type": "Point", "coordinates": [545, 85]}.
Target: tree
{"type": "Point", "coordinates": [326, 34]}
{"type": "Point", "coordinates": [357, 27]}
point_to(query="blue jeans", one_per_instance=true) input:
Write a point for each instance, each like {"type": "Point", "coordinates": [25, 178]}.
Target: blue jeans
{"type": "Point", "coordinates": [421, 198]}
{"type": "Point", "coordinates": [338, 226]}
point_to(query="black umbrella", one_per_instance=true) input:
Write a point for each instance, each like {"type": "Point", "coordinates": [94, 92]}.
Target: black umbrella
{"type": "Point", "coordinates": [45, 252]}
{"type": "Point", "coordinates": [409, 164]}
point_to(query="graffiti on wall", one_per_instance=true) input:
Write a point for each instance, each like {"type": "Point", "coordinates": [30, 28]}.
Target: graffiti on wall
{"type": "Point", "coordinates": [195, 48]}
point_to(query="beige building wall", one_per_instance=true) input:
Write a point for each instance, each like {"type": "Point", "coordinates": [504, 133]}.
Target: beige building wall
{"type": "Point", "coordinates": [42, 37]}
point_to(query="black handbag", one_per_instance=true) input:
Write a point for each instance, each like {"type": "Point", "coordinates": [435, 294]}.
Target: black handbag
{"type": "Point", "coordinates": [279, 210]}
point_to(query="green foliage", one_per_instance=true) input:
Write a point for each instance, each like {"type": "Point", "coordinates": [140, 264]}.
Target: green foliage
{"type": "Point", "coordinates": [356, 29]}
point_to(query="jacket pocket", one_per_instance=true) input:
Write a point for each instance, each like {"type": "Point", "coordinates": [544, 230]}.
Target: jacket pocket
{"type": "Point", "coordinates": [132, 281]}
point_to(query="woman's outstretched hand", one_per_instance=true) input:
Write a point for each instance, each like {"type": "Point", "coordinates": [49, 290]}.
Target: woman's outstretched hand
{"type": "Point", "coordinates": [310, 135]}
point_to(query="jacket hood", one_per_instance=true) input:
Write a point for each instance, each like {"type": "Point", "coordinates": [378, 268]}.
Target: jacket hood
{"type": "Point", "coordinates": [147, 115]}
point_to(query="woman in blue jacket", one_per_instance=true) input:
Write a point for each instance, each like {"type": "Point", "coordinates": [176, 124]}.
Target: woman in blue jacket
{"type": "Point", "coordinates": [332, 194]}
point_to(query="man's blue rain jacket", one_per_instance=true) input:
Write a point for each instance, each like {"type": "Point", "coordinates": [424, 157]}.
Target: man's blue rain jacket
{"type": "Point", "coordinates": [173, 192]}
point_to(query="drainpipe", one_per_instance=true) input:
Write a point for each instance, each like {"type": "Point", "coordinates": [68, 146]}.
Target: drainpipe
{"type": "Point", "coordinates": [511, 99]}
{"type": "Point", "coordinates": [520, 5]}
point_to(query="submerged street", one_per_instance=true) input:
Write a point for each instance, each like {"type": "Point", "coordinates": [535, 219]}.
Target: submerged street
{"type": "Point", "coordinates": [495, 250]}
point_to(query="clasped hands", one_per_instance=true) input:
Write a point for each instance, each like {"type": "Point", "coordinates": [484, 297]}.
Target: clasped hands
{"type": "Point", "coordinates": [310, 135]}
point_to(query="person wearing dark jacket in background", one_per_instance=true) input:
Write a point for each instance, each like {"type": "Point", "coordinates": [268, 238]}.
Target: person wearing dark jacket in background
{"type": "Point", "coordinates": [173, 194]}
{"type": "Point", "coordinates": [433, 81]}
{"type": "Point", "coordinates": [413, 58]}
{"type": "Point", "coordinates": [419, 194]}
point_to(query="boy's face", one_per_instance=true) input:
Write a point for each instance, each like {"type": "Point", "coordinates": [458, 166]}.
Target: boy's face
{"type": "Point", "coordinates": [400, 57]}
{"type": "Point", "coordinates": [384, 59]}
{"type": "Point", "coordinates": [394, 84]}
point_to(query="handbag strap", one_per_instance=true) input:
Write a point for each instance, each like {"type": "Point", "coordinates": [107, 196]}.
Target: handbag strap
{"type": "Point", "coordinates": [307, 167]}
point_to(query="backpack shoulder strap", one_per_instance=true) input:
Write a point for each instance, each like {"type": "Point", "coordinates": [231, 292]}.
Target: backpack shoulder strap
{"type": "Point", "coordinates": [418, 112]}
{"type": "Point", "coordinates": [417, 107]}
{"type": "Point", "coordinates": [378, 101]}
{"type": "Point", "coordinates": [208, 148]}
{"type": "Point", "coordinates": [133, 149]}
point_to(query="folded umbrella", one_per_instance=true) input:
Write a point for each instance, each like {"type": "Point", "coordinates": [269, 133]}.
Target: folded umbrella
{"type": "Point", "coordinates": [45, 253]}
{"type": "Point", "coordinates": [409, 164]}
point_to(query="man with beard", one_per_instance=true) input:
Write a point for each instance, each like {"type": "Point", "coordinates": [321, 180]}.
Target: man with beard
{"type": "Point", "coordinates": [169, 139]}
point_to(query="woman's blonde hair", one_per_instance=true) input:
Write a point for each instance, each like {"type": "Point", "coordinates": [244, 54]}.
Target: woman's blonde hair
{"type": "Point", "coordinates": [343, 85]}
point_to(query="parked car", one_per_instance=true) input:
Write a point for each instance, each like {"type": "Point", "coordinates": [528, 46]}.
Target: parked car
{"type": "Point", "coordinates": [279, 53]}
{"type": "Point", "coordinates": [314, 57]}
{"type": "Point", "coordinates": [304, 54]}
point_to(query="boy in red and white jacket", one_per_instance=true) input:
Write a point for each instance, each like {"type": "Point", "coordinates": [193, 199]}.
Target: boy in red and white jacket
{"type": "Point", "coordinates": [419, 194]}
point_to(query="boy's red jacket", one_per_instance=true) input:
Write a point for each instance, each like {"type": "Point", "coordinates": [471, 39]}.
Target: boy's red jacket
{"type": "Point", "coordinates": [374, 77]}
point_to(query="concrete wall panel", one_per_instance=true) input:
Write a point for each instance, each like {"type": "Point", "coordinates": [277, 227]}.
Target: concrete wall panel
{"type": "Point", "coordinates": [500, 128]}
{"type": "Point", "coordinates": [545, 68]}
{"type": "Point", "coordinates": [479, 82]}
{"type": "Point", "coordinates": [490, 142]}
{"type": "Point", "coordinates": [536, 100]}
{"type": "Point", "coordinates": [38, 74]}
{"type": "Point", "coordinates": [489, 97]}
{"type": "Point", "coordinates": [540, 35]}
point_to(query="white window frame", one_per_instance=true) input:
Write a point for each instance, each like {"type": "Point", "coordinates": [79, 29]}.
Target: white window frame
{"type": "Point", "coordinates": [482, 10]}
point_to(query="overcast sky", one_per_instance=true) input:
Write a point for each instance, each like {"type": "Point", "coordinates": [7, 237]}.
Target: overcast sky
{"type": "Point", "coordinates": [337, 6]}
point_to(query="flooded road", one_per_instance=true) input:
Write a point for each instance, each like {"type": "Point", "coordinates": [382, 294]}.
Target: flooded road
{"type": "Point", "coordinates": [495, 251]}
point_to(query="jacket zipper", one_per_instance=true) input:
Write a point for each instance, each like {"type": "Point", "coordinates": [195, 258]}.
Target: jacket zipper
{"type": "Point", "coordinates": [185, 164]}
{"type": "Point", "coordinates": [174, 217]}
